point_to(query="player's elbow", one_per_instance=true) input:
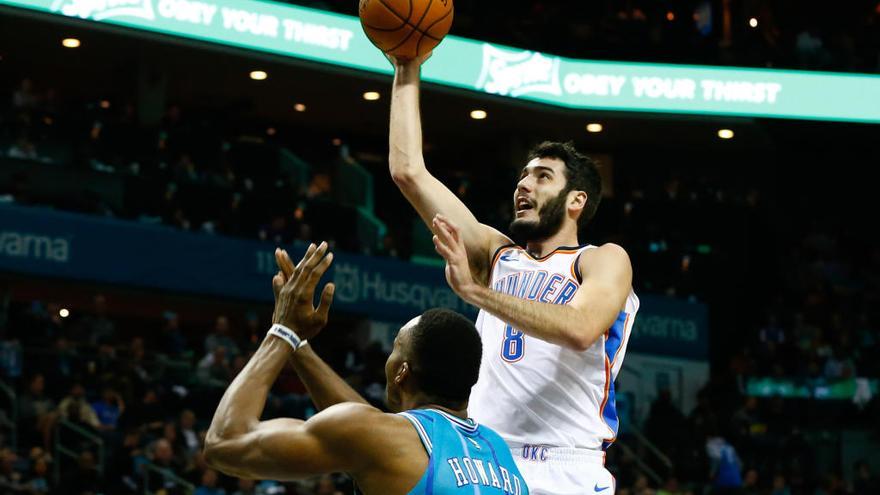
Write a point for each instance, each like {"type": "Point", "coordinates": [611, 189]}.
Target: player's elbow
{"type": "Point", "coordinates": [214, 448]}
{"type": "Point", "coordinates": [579, 344]}
{"type": "Point", "coordinates": [405, 167]}
{"type": "Point", "coordinates": [220, 456]}
{"type": "Point", "coordinates": [212, 454]}
{"type": "Point", "coordinates": [403, 176]}
{"type": "Point", "coordinates": [582, 340]}
{"type": "Point", "coordinates": [217, 450]}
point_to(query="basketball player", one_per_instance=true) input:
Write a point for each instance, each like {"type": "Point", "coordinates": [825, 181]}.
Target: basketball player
{"type": "Point", "coordinates": [554, 316]}
{"type": "Point", "coordinates": [431, 448]}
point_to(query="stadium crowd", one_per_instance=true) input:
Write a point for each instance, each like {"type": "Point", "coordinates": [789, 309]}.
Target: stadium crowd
{"type": "Point", "coordinates": [784, 34]}
{"type": "Point", "coordinates": [199, 172]}
{"type": "Point", "coordinates": [145, 389]}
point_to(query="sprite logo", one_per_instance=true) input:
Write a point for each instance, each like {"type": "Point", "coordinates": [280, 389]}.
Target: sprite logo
{"type": "Point", "coordinates": [99, 10]}
{"type": "Point", "coordinates": [517, 73]}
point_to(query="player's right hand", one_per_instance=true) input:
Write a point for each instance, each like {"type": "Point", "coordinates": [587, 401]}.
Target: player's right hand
{"type": "Point", "coordinates": [294, 289]}
{"type": "Point", "coordinates": [406, 63]}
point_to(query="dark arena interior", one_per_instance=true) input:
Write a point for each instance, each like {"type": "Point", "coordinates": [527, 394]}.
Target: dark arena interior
{"type": "Point", "coordinates": [154, 153]}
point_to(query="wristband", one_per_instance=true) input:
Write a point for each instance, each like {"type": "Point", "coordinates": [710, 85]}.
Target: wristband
{"type": "Point", "coordinates": [287, 335]}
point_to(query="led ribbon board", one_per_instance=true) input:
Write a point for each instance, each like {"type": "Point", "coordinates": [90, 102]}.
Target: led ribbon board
{"type": "Point", "coordinates": [463, 63]}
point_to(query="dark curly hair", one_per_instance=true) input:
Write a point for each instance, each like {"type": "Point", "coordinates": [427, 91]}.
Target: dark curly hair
{"type": "Point", "coordinates": [581, 174]}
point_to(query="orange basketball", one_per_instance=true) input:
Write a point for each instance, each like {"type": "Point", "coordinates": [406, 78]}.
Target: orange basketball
{"type": "Point", "coordinates": [406, 28]}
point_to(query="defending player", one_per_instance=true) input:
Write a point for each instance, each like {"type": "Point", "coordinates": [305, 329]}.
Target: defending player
{"type": "Point", "coordinates": [430, 448]}
{"type": "Point", "coordinates": [555, 316]}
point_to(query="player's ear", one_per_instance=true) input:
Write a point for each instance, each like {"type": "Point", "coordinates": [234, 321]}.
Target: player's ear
{"type": "Point", "coordinates": [577, 200]}
{"type": "Point", "coordinates": [402, 373]}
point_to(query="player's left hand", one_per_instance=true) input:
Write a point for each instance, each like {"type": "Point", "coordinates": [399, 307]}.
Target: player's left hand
{"type": "Point", "coordinates": [294, 289]}
{"type": "Point", "coordinates": [449, 244]}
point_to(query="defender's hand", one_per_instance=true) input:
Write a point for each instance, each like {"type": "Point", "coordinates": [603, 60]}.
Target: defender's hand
{"type": "Point", "coordinates": [295, 291]}
{"type": "Point", "coordinates": [285, 271]}
{"type": "Point", "coordinates": [448, 243]}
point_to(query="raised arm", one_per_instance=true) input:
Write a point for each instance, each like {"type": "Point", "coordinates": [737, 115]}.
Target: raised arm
{"type": "Point", "coordinates": [238, 443]}
{"type": "Point", "coordinates": [428, 195]}
{"type": "Point", "coordinates": [324, 385]}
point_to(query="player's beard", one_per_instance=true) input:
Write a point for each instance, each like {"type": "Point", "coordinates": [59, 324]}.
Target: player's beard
{"type": "Point", "coordinates": [550, 217]}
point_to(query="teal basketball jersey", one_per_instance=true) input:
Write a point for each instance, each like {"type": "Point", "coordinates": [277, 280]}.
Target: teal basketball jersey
{"type": "Point", "coordinates": [463, 457]}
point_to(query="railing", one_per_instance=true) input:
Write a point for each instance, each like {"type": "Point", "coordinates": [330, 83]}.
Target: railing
{"type": "Point", "coordinates": [637, 441]}
{"type": "Point", "coordinates": [167, 475]}
{"type": "Point", "coordinates": [641, 465]}
{"type": "Point", "coordinates": [10, 421]}
{"type": "Point", "coordinates": [650, 447]}
{"type": "Point", "coordinates": [62, 450]}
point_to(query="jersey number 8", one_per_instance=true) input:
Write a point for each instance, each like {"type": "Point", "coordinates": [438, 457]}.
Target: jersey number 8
{"type": "Point", "coordinates": [513, 346]}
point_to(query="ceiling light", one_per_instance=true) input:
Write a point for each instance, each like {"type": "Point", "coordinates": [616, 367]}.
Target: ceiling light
{"type": "Point", "coordinates": [725, 133]}
{"type": "Point", "coordinates": [258, 75]}
{"type": "Point", "coordinates": [594, 127]}
{"type": "Point", "coordinates": [670, 16]}
{"type": "Point", "coordinates": [372, 95]}
{"type": "Point", "coordinates": [64, 313]}
{"type": "Point", "coordinates": [753, 22]}
{"type": "Point", "coordinates": [70, 43]}
{"type": "Point", "coordinates": [300, 107]}
{"type": "Point", "coordinates": [479, 114]}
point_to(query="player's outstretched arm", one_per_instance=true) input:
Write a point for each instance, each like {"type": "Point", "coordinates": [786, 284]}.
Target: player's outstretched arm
{"type": "Point", "coordinates": [239, 443]}
{"type": "Point", "coordinates": [607, 280]}
{"type": "Point", "coordinates": [425, 192]}
{"type": "Point", "coordinates": [325, 387]}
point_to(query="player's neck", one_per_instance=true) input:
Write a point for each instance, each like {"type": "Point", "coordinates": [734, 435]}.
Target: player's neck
{"type": "Point", "coordinates": [423, 403]}
{"type": "Point", "coordinates": [539, 248]}
{"type": "Point", "coordinates": [459, 413]}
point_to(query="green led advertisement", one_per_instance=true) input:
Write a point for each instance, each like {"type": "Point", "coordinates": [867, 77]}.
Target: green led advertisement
{"type": "Point", "coordinates": [473, 65]}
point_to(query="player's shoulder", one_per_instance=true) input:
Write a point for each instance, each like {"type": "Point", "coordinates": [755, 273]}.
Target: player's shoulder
{"type": "Point", "coordinates": [349, 419]}
{"type": "Point", "coordinates": [355, 424]}
{"type": "Point", "coordinates": [606, 252]}
{"type": "Point", "coordinates": [608, 255]}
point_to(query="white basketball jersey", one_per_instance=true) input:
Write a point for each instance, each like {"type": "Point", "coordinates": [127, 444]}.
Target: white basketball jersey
{"type": "Point", "coordinates": [534, 392]}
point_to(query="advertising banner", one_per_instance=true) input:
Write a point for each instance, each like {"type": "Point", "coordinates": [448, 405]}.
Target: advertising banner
{"type": "Point", "coordinates": [338, 40]}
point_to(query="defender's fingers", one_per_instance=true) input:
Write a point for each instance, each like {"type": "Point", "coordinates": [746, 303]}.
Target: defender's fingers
{"type": "Point", "coordinates": [316, 257]}
{"type": "Point", "coordinates": [297, 272]}
{"type": "Point", "coordinates": [306, 255]}
{"type": "Point", "coordinates": [277, 283]}
{"type": "Point", "coordinates": [280, 256]}
{"type": "Point", "coordinates": [316, 273]}
{"type": "Point", "coordinates": [312, 256]}
{"type": "Point", "coordinates": [323, 310]}
{"type": "Point", "coordinates": [285, 263]}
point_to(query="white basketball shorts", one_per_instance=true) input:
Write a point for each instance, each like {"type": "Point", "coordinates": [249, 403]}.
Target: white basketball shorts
{"type": "Point", "coordinates": [561, 471]}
